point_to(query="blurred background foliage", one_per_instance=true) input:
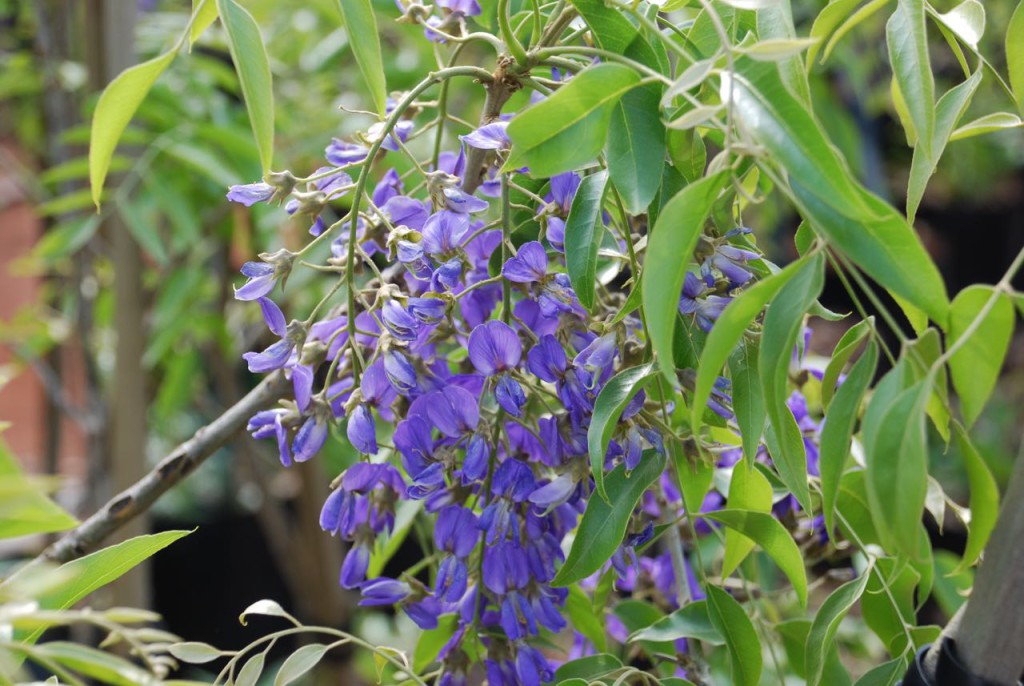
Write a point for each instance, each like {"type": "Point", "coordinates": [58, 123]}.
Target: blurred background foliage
{"type": "Point", "coordinates": [191, 139]}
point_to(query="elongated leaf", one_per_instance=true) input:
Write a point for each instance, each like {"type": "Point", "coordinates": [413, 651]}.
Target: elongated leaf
{"type": "Point", "coordinates": [669, 251]}
{"type": "Point", "coordinates": [608, 407]}
{"type": "Point", "coordinates": [583, 233]}
{"type": "Point", "coordinates": [90, 662]}
{"type": "Point", "coordinates": [265, 607]}
{"type": "Point", "coordinates": [826, 623]}
{"type": "Point", "coordinates": [204, 13]}
{"type": "Point", "coordinates": [1015, 54]}
{"type": "Point", "coordinates": [907, 37]}
{"type": "Point", "coordinates": [688, 153]}
{"type": "Point", "coordinates": [431, 642]}
{"type": "Point", "coordinates": [775, 27]}
{"type": "Point", "coordinates": [897, 465]}
{"type": "Point", "coordinates": [827, 21]}
{"type": "Point", "coordinates": [747, 396]}
{"type": "Point", "coordinates": [385, 547]}
{"type": "Point", "coordinates": [967, 21]}
{"type": "Point", "coordinates": [951, 107]}
{"type": "Point", "coordinates": [692, 76]}
{"type": "Point", "coordinates": [115, 108]}
{"type": "Point", "coordinates": [777, 49]}
{"type": "Point", "coordinates": [976, 364]}
{"type": "Point", "coordinates": [586, 668]}
{"type": "Point", "coordinates": [767, 532]}
{"type": "Point", "coordinates": [990, 123]}
{"type": "Point", "coordinates": [748, 490]}
{"type": "Point", "coordinates": [728, 330]}
{"type": "Point", "coordinates": [581, 614]}
{"type": "Point", "coordinates": [984, 498]}
{"type": "Point", "coordinates": [24, 506]}
{"type": "Point", "coordinates": [888, 614]}
{"type": "Point", "coordinates": [854, 20]}
{"type": "Point", "coordinates": [887, 674]}
{"type": "Point", "coordinates": [299, 663]}
{"type": "Point", "coordinates": [568, 129]}
{"type": "Point", "coordinates": [603, 526]}
{"type": "Point", "coordinates": [782, 325]}
{"type": "Point", "coordinates": [844, 350]}
{"type": "Point", "coordinates": [837, 433]}
{"type": "Point", "coordinates": [740, 636]}
{"type": "Point", "coordinates": [253, 69]}
{"type": "Point", "coordinates": [690, 621]}
{"type": "Point", "coordinates": [194, 653]}
{"type": "Point", "coordinates": [636, 142]}
{"type": "Point", "coordinates": [364, 37]}
{"type": "Point", "coordinates": [249, 674]}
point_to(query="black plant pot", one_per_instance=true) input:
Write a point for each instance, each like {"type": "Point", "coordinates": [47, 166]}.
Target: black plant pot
{"type": "Point", "coordinates": [948, 672]}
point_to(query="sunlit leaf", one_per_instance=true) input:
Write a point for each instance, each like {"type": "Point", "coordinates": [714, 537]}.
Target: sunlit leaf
{"type": "Point", "coordinates": [990, 123]}
{"type": "Point", "coordinates": [636, 142]}
{"type": "Point", "coordinates": [299, 663]}
{"type": "Point", "coordinates": [364, 37]}
{"type": "Point", "coordinates": [690, 621]}
{"type": "Point", "coordinates": [981, 345]}
{"type": "Point", "coordinates": [584, 232]}
{"type": "Point", "coordinates": [748, 490]}
{"type": "Point", "coordinates": [1015, 54]}
{"type": "Point", "coordinates": [907, 38]}
{"type": "Point", "coordinates": [741, 639]}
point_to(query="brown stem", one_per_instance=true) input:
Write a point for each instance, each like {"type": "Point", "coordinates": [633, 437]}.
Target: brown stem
{"type": "Point", "coordinates": [499, 90]}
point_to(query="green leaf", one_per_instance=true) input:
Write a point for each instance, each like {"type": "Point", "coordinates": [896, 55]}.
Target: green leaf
{"type": "Point", "coordinates": [584, 232]}
{"type": "Point", "coordinates": [826, 623]}
{"type": "Point", "coordinates": [144, 228]}
{"type": "Point", "coordinates": [884, 246]}
{"type": "Point", "coordinates": [1015, 54]}
{"type": "Point", "coordinates": [775, 26]}
{"type": "Point", "coordinates": [251, 671]}
{"type": "Point", "coordinates": [90, 662]}
{"type": "Point", "coordinates": [690, 621]}
{"type": "Point", "coordinates": [887, 674]}
{"type": "Point", "coordinates": [782, 325]}
{"type": "Point", "coordinates": [669, 251]}
{"type": "Point", "coordinates": [976, 364]}
{"type": "Point", "coordinates": [688, 154]}
{"type": "Point", "coordinates": [603, 526]}
{"type": "Point", "coordinates": [984, 498]}
{"type": "Point", "coordinates": [907, 38]}
{"type": "Point", "coordinates": [608, 407]}
{"type": "Point", "coordinates": [990, 123]}
{"type": "Point", "coordinates": [115, 108]}
{"type": "Point", "coordinates": [587, 668]}
{"type": "Point", "coordinates": [844, 350]}
{"type": "Point", "coordinates": [950, 109]}
{"type": "Point", "coordinates": [580, 612]}
{"type": "Point", "coordinates": [747, 396]}
{"type": "Point", "coordinates": [748, 490]}
{"type": "Point", "coordinates": [923, 355]}
{"type": "Point", "coordinates": [728, 330]}
{"type": "Point", "coordinates": [204, 13]}
{"type": "Point", "coordinates": [967, 21]}
{"type": "Point", "coordinates": [740, 637]}
{"type": "Point", "coordinates": [298, 663]}
{"type": "Point", "coordinates": [768, 532]}
{"type": "Point", "coordinates": [568, 129]}
{"type": "Point", "coordinates": [385, 547]}
{"type": "Point", "coordinates": [364, 37]}
{"type": "Point", "coordinates": [631, 305]}
{"type": "Point", "coordinates": [827, 21]}
{"type": "Point", "coordinates": [887, 614]}
{"type": "Point", "coordinates": [897, 466]}
{"type": "Point", "coordinates": [953, 582]}
{"type": "Point", "coordinates": [855, 19]}
{"type": "Point", "coordinates": [837, 433]}
{"type": "Point", "coordinates": [253, 69]}
{"type": "Point", "coordinates": [777, 49]}
{"type": "Point", "coordinates": [94, 571]}
{"type": "Point", "coordinates": [793, 633]}
{"type": "Point", "coordinates": [194, 653]}
{"type": "Point", "coordinates": [636, 141]}
{"type": "Point", "coordinates": [432, 640]}
{"type": "Point", "coordinates": [24, 506]}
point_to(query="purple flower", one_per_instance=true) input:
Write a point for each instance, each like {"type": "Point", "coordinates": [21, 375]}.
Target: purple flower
{"type": "Point", "coordinates": [273, 317]}
{"type": "Point", "coordinates": [427, 310]}
{"type": "Point", "coordinates": [400, 371]}
{"type": "Point", "coordinates": [493, 136]}
{"type": "Point", "coordinates": [509, 395]}
{"type": "Point", "coordinates": [555, 492]}
{"type": "Point", "coordinates": [531, 666]}
{"type": "Point", "coordinates": [412, 438]}
{"type": "Point", "coordinates": [261, 280]}
{"type": "Point", "coordinates": [547, 360]}
{"type": "Point", "coordinates": [459, 201]}
{"type": "Point", "coordinates": [269, 423]}
{"type": "Point", "coordinates": [251, 193]}
{"type": "Point", "coordinates": [311, 437]}
{"type": "Point", "coordinates": [456, 531]}
{"type": "Point", "coordinates": [453, 410]}
{"type": "Point", "coordinates": [361, 430]}
{"type": "Point", "coordinates": [451, 579]}
{"type": "Point", "coordinates": [274, 357]}
{"type": "Point", "coordinates": [494, 347]}
{"type": "Point", "coordinates": [399, 322]}
{"type": "Point", "coordinates": [302, 385]}
{"type": "Point", "coordinates": [387, 188]}
{"type": "Point", "coordinates": [383, 591]}
{"type": "Point", "coordinates": [424, 612]}
{"type": "Point", "coordinates": [354, 566]}
{"type": "Point", "coordinates": [563, 190]}
{"type": "Point", "coordinates": [443, 232]}
{"type": "Point", "coordinates": [468, 8]}
{"type": "Point", "coordinates": [529, 265]}
{"type": "Point", "coordinates": [341, 153]}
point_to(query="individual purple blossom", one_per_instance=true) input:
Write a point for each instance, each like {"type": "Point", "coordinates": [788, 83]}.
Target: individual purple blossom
{"type": "Point", "coordinates": [531, 666]}
{"type": "Point", "coordinates": [399, 322]}
{"type": "Point", "coordinates": [361, 430]}
{"type": "Point", "coordinates": [273, 317]}
{"type": "Point", "coordinates": [274, 357]}
{"type": "Point", "coordinates": [467, 8]}
{"type": "Point", "coordinates": [261, 280]}
{"type": "Point", "coordinates": [251, 193]}
{"type": "Point", "coordinates": [427, 310]}
{"type": "Point", "coordinates": [547, 360]}
{"type": "Point", "coordinates": [494, 348]}
{"type": "Point", "coordinates": [383, 591]}
{"type": "Point", "coordinates": [302, 385]}
{"type": "Point", "coordinates": [270, 423]}
{"type": "Point", "coordinates": [555, 492]}
{"type": "Point", "coordinates": [493, 136]}
{"type": "Point", "coordinates": [341, 153]}
{"type": "Point", "coordinates": [529, 265]}
{"type": "Point", "coordinates": [510, 395]}
{"type": "Point", "coordinates": [424, 613]}
{"type": "Point", "coordinates": [310, 438]}
{"type": "Point", "coordinates": [354, 566]}
{"type": "Point", "coordinates": [400, 371]}
{"type": "Point", "coordinates": [443, 232]}
{"type": "Point", "coordinates": [452, 410]}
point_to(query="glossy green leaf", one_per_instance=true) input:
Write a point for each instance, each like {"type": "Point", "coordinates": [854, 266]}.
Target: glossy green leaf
{"type": "Point", "coordinates": [1015, 54]}
{"type": "Point", "coordinates": [767, 532]}
{"type": "Point", "coordinates": [364, 37]}
{"type": "Point", "coordinates": [978, 359]}
{"type": "Point", "coordinates": [584, 232]}
{"type": "Point", "coordinates": [837, 433]}
{"type": "Point", "coordinates": [204, 13]}
{"type": "Point", "coordinates": [608, 407]}
{"type": "Point", "coordinates": [948, 112]}
{"type": "Point", "coordinates": [984, 497]}
{"type": "Point", "coordinates": [90, 662]}
{"type": "Point", "coordinates": [827, 21]}
{"type": "Point", "coordinates": [253, 69]}
{"type": "Point", "coordinates": [826, 623]}
{"type": "Point", "coordinates": [728, 330]}
{"type": "Point", "coordinates": [690, 621]}
{"type": "Point", "coordinates": [844, 350]}
{"type": "Point", "coordinates": [887, 674]}
{"type": "Point", "coordinates": [581, 615]}
{"type": "Point", "coordinates": [568, 129]}
{"type": "Point", "coordinates": [907, 38]}
{"type": "Point", "coordinates": [638, 614]}
{"type": "Point", "coordinates": [967, 21]}
{"type": "Point", "coordinates": [777, 49]}
{"type": "Point", "coordinates": [632, 304]}
{"type": "Point", "coordinates": [897, 466]}
{"type": "Point", "coordinates": [636, 142]}
{"type": "Point", "coordinates": [748, 490]}
{"type": "Point", "coordinates": [691, 77]}
{"type": "Point", "coordinates": [587, 668]}
{"type": "Point", "coordinates": [604, 525]}
{"type": "Point", "coordinates": [782, 325]}
{"type": "Point", "coordinates": [990, 123]}
{"type": "Point", "coordinates": [741, 639]}
{"type": "Point", "coordinates": [747, 396]}
{"type": "Point", "coordinates": [299, 663]}
{"type": "Point", "coordinates": [115, 108]}
{"type": "Point", "coordinates": [669, 252]}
